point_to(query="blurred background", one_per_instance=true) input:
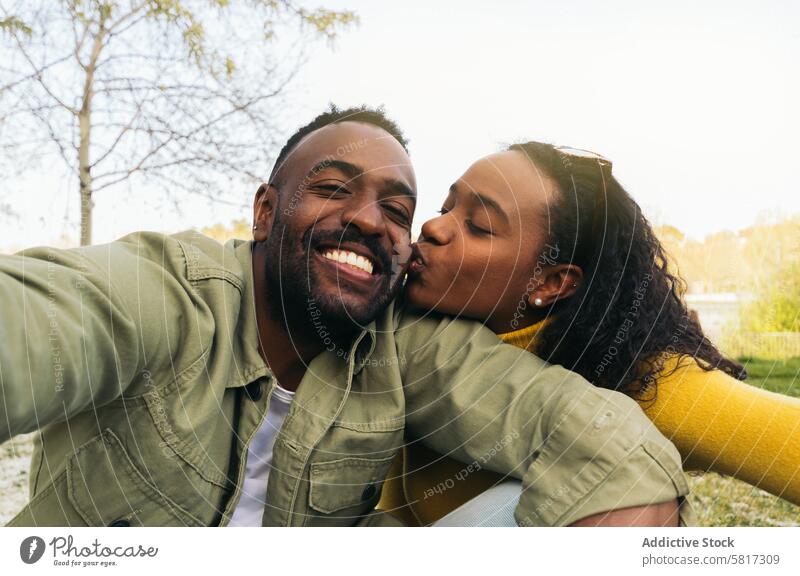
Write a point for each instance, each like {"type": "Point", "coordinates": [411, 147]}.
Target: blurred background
{"type": "Point", "coordinates": [123, 115]}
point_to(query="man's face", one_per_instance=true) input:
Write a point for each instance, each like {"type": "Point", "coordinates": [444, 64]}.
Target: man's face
{"type": "Point", "coordinates": [346, 198]}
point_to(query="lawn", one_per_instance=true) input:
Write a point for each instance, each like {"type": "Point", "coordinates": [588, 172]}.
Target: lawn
{"type": "Point", "coordinates": [15, 457]}
{"type": "Point", "coordinates": [774, 375]}
{"type": "Point", "coordinates": [723, 501]}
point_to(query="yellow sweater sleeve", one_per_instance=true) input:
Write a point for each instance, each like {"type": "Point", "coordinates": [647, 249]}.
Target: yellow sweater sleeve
{"type": "Point", "coordinates": [723, 425]}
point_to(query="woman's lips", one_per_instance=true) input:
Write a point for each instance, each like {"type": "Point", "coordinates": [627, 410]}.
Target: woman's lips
{"type": "Point", "coordinates": [417, 260]}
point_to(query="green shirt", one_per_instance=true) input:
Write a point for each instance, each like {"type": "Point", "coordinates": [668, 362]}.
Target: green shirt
{"type": "Point", "coordinates": [137, 361]}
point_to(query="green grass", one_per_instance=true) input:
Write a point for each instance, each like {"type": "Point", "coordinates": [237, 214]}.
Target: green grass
{"type": "Point", "coordinates": [15, 458]}
{"type": "Point", "coordinates": [723, 501]}
{"type": "Point", "coordinates": [782, 376]}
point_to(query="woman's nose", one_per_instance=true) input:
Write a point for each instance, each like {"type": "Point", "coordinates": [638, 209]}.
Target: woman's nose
{"type": "Point", "coordinates": [437, 230]}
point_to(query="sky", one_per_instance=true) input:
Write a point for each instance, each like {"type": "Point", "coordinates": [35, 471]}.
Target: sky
{"type": "Point", "coordinates": [694, 102]}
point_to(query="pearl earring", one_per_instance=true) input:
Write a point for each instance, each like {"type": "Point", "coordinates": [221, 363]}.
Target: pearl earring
{"type": "Point", "coordinates": [538, 301]}
{"type": "Point", "coordinates": [255, 227]}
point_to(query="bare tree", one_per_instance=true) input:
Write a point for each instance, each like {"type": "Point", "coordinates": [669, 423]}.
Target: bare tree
{"type": "Point", "coordinates": [186, 93]}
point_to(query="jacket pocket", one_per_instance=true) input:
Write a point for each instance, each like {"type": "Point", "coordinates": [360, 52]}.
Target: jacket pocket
{"type": "Point", "coordinates": [347, 483]}
{"type": "Point", "coordinates": [106, 488]}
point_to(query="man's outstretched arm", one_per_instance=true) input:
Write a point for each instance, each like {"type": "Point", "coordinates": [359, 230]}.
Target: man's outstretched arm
{"type": "Point", "coordinates": [73, 323]}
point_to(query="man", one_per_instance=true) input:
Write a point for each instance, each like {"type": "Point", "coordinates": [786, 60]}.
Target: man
{"type": "Point", "coordinates": [179, 382]}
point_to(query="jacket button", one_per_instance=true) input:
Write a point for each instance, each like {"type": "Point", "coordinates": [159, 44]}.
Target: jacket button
{"type": "Point", "coordinates": [369, 492]}
{"type": "Point", "coordinates": [120, 523]}
{"type": "Point", "coordinates": [254, 391]}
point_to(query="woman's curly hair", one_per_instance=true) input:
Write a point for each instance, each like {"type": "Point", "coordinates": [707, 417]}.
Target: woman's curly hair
{"type": "Point", "coordinates": [628, 315]}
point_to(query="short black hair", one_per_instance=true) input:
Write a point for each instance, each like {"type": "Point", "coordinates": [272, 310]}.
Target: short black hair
{"type": "Point", "coordinates": [375, 116]}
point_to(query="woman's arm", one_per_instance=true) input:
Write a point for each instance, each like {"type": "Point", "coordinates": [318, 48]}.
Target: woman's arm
{"type": "Point", "coordinates": [721, 424]}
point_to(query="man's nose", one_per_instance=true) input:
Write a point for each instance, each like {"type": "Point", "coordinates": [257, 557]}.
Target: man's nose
{"type": "Point", "coordinates": [366, 215]}
{"type": "Point", "coordinates": [437, 230]}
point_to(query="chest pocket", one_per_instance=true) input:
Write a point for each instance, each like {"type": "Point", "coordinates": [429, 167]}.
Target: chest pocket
{"type": "Point", "coordinates": [107, 489]}
{"type": "Point", "coordinates": [347, 483]}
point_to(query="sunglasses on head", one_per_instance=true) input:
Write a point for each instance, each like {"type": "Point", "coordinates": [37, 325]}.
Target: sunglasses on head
{"type": "Point", "coordinates": [583, 155]}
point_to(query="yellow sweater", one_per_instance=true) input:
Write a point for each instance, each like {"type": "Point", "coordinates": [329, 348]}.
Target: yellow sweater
{"type": "Point", "coordinates": [716, 422]}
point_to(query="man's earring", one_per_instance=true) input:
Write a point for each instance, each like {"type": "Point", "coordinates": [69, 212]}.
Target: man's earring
{"type": "Point", "coordinates": [255, 227]}
{"type": "Point", "coordinates": [538, 301]}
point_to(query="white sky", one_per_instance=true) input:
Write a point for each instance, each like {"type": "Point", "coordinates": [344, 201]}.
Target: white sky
{"type": "Point", "coordinates": [695, 103]}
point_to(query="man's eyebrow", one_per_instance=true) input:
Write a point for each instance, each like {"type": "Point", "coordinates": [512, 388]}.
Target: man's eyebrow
{"type": "Point", "coordinates": [348, 169]}
{"type": "Point", "coordinates": [484, 201]}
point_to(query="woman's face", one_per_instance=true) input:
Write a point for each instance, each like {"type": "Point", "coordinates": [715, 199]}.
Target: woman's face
{"type": "Point", "coordinates": [478, 258]}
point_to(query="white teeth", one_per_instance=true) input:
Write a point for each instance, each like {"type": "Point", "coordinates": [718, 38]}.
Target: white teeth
{"type": "Point", "coordinates": [349, 258]}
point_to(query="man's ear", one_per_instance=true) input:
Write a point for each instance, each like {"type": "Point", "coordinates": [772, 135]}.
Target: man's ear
{"type": "Point", "coordinates": [558, 282]}
{"type": "Point", "coordinates": [265, 205]}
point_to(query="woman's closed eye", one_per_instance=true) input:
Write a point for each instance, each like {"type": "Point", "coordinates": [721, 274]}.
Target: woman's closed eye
{"type": "Point", "coordinates": [478, 230]}
{"type": "Point", "coordinates": [471, 226]}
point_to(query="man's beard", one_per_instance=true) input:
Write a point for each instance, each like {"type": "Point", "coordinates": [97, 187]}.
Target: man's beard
{"type": "Point", "coordinates": [292, 284]}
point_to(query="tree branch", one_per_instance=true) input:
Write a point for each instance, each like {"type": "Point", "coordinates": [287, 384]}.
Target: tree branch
{"type": "Point", "coordinates": [40, 80]}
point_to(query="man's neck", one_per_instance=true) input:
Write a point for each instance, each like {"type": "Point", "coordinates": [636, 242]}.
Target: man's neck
{"type": "Point", "coordinates": [287, 350]}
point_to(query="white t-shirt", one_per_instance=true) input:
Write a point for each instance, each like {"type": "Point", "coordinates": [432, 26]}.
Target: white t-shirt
{"type": "Point", "coordinates": [250, 509]}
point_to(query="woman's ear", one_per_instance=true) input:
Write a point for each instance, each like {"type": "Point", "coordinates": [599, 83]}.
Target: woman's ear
{"type": "Point", "coordinates": [557, 283]}
{"type": "Point", "coordinates": [264, 206]}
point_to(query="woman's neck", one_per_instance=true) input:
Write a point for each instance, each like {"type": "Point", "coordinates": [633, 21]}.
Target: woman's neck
{"type": "Point", "coordinates": [524, 337]}
{"type": "Point", "coordinates": [518, 319]}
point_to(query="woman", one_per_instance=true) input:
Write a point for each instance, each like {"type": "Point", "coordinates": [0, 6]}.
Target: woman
{"type": "Point", "coordinates": [545, 247]}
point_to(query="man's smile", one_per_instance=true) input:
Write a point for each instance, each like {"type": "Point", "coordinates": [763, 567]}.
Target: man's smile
{"type": "Point", "coordinates": [350, 262]}
{"type": "Point", "coordinates": [349, 258]}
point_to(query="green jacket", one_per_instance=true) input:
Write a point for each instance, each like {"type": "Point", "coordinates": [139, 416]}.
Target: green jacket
{"type": "Point", "coordinates": [137, 361]}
